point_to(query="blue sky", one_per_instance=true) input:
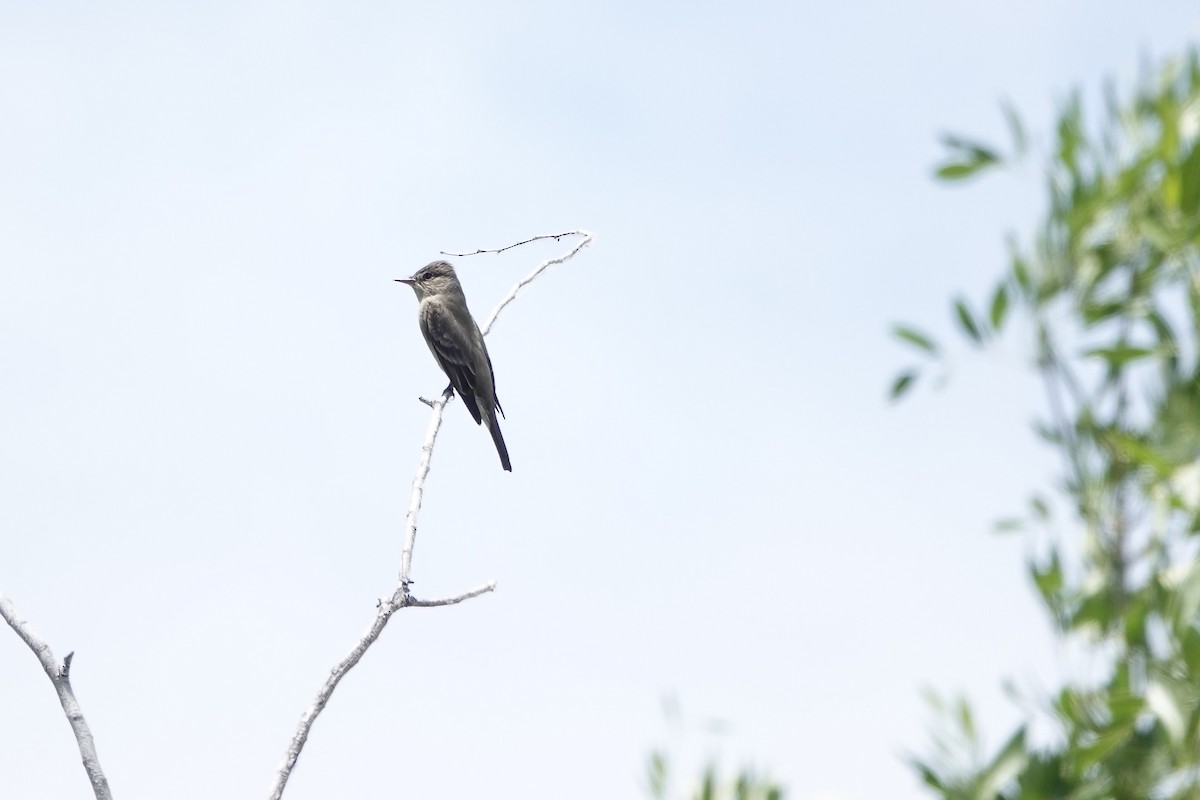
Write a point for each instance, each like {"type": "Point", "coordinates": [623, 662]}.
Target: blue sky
{"type": "Point", "coordinates": [209, 422]}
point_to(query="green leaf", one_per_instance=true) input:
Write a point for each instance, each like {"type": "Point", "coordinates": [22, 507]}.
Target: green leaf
{"type": "Point", "coordinates": [1069, 134]}
{"type": "Point", "coordinates": [1166, 338]}
{"type": "Point", "coordinates": [1098, 312]}
{"type": "Point", "coordinates": [1015, 129]}
{"type": "Point", "coordinates": [708, 787]}
{"type": "Point", "coordinates": [1044, 778]}
{"type": "Point", "coordinates": [1009, 525]}
{"type": "Point", "coordinates": [657, 774]}
{"type": "Point", "coordinates": [972, 150]}
{"type": "Point", "coordinates": [957, 171]}
{"type": "Point", "coordinates": [1096, 609]}
{"type": "Point", "coordinates": [1136, 611]}
{"type": "Point", "coordinates": [966, 720]}
{"type": "Point", "coordinates": [1005, 767]}
{"type": "Point", "coordinates": [929, 775]}
{"type": "Point", "coordinates": [966, 158]}
{"type": "Point", "coordinates": [969, 326]}
{"type": "Point", "coordinates": [1189, 197]}
{"type": "Point", "coordinates": [1040, 508]}
{"type": "Point", "coordinates": [1124, 707]}
{"type": "Point", "coordinates": [1135, 452]}
{"type": "Point", "coordinates": [915, 338]}
{"type": "Point", "coordinates": [1183, 600]}
{"type": "Point", "coordinates": [902, 383]}
{"type": "Point", "coordinates": [1191, 648]}
{"type": "Point", "coordinates": [1104, 744]}
{"type": "Point", "coordinates": [1048, 579]}
{"type": "Point", "coordinates": [999, 306]}
{"type": "Point", "coordinates": [1020, 268]}
{"type": "Point", "coordinates": [1120, 355]}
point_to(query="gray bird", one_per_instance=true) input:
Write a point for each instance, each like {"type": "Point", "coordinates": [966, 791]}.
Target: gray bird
{"type": "Point", "coordinates": [456, 343]}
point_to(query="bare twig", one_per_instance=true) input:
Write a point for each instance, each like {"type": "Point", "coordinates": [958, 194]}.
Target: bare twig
{"type": "Point", "coordinates": [585, 240]}
{"type": "Point", "coordinates": [400, 597]}
{"type": "Point", "coordinates": [60, 676]}
{"type": "Point", "coordinates": [418, 485]}
{"type": "Point", "coordinates": [382, 615]}
{"type": "Point", "coordinates": [555, 236]}
{"type": "Point", "coordinates": [458, 598]}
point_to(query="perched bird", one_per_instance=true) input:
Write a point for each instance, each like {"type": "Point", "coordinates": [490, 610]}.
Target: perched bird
{"type": "Point", "coordinates": [456, 343]}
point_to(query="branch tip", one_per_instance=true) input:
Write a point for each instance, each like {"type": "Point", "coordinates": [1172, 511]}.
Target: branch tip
{"type": "Point", "coordinates": [498, 250]}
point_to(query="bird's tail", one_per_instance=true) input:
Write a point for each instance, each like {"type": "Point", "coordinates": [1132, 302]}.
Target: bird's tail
{"type": "Point", "coordinates": [498, 438]}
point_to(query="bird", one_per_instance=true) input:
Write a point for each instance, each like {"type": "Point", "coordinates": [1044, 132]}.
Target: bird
{"type": "Point", "coordinates": [457, 344]}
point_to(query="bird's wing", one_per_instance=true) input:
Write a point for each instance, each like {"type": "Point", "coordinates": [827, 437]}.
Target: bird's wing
{"type": "Point", "coordinates": [449, 344]}
{"type": "Point", "coordinates": [492, 374]}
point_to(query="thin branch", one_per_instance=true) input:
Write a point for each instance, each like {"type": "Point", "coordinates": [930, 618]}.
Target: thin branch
{"type": "Point", "coordinates": [450, 601]}
{"type": "Point", "coordinates": [382, 615]}
{"type": "Point", "coordinates": [60, 676]}
{"type": "Point", "coordinates": [400, 597]}
{"type": "Point", "coordinates": [587, 238]}
{"type": "Point", "coordinates": [418, 484]}
{"type": "Point", "coordinates": [555, 236]}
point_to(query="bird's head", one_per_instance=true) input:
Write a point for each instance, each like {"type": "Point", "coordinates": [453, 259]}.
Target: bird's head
{"type": "Point", "coordinates": [432, 279]}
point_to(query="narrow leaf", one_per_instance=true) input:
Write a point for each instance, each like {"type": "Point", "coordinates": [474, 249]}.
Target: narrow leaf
{"type": "Point", "coordinates": [1015, 128]}
{"type": "Point", "coordinates": [1166, 338]}
{"type": "Point", "coordinates": [1040, 508]}
{"type": "Point", "coordinates": [974, 150]}
{"type": "Point", "coordinates": [969, 326]}
{"type": "Point", "coordinates": [1009, 525]}
{"type": "Point", "coordinates": [915, 338]}
{"type": "Point", "coordinates": [1189, 200]}
{"type": "Point", "coordinates": [957, 170]}
{"type": "Point", "coordinates": [999, 307]}
{"type": "Point", "coordinates": [1007, 764]}
{"type": "Point", "coordinates": [708, 788]}
{"type": "Point", "coordinates": [1098, 312]}
{"type": "Point", "coordinates": [931, 778]}
{"type": "Point", "coordinates": [1104, 744]}
{"type": "Point", "coordinates": [1119, 355]}
{"type": "Point", "coordinates": [1135, 452]}
{"type": "Point", "coordinates": [902, 384]}
{"type": "Point", "coordinates": [1049, 578]}
{"type": "Point", "coordinates": [657, 774]}
{"type": "Point", "coordinates": [1020, 268]}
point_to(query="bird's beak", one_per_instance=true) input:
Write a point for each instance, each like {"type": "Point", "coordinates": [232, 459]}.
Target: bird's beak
{"type": "Point", "coordinates": [409, 281]}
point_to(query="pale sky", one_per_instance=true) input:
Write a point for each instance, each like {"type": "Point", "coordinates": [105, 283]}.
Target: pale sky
{"type": "Point", "coordinates": [209, 419]}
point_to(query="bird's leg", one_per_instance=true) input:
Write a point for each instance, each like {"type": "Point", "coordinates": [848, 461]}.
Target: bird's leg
{"type": "Point", "coordinates": [448, 393]}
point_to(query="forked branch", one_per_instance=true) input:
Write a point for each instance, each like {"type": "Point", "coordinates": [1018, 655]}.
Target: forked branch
{"type": "Point", "coordinates": [60, 675]}
{"type": "Point", "coordinates": [401, 598]}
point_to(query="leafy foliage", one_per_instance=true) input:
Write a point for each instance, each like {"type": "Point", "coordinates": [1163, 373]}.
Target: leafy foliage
{"type": "Point", "coordinates": [1109, 289]}
{"type": "Point", "coordinates": [747, 785]}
